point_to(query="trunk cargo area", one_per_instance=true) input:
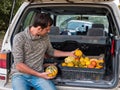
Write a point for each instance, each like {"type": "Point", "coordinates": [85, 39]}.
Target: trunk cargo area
{"type": "Point", "coordinates": [92, 47]}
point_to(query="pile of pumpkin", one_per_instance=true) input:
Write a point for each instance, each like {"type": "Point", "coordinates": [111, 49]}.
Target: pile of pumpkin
{"type": "Point", "coordinates": [82, 61]}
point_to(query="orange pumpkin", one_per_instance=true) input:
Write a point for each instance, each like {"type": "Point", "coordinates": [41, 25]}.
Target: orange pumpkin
{"type": "Point", "coordinates": [90, 66]}
{"type": "Point", "coordinates": [94, 63]}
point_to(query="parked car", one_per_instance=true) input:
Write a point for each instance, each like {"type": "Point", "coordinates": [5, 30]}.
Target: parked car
{"type": "Point", "coordinates": [95, 43]}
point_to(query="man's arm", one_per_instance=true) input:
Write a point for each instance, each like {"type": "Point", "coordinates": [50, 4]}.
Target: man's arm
{"type": "Point", "coordinates": [58, 53]}
{"type": "Point", "coordinates": [25, 69]}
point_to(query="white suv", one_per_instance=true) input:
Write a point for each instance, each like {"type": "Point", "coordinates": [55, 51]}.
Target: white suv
{"type": "Point", "coordinates": [101, 40]}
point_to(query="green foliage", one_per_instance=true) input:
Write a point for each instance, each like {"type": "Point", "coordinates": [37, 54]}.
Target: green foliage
{"type": "Point", "coordinates": [17, 5]}
{"type": "Point", "coordinates": [5, 12]}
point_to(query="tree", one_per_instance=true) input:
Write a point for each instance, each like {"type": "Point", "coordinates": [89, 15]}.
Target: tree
{"type": "Point", "coordinates": [5, 12]}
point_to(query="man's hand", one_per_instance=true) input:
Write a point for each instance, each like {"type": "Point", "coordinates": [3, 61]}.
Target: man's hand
{"type": "Point", "coordinates": [25, 69]}
{"type": "Point", "coordinates": [45, 75]}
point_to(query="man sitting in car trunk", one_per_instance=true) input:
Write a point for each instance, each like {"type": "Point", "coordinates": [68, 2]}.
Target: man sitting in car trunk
{"type": "Point", "coordinates": [29, 49]}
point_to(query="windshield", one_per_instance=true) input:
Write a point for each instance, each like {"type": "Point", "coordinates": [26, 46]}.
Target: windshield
{"type": "Point", "coordinates": [78, 25]}
{"type": "Point", "coordinates": [75, 24]}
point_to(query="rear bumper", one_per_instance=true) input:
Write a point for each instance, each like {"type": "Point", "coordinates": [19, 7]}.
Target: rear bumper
{"type": "Point", "coordinates": [66, 88]}
{"type": "Point", "coordinates": [78, 88]}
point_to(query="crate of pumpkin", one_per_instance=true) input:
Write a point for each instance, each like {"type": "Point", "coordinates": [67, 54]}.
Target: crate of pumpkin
{"type": "Point", "coordinates": [82, 67]}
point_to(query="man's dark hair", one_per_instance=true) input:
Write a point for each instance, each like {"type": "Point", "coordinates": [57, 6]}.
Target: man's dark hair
{"type": "Point", "coordinates": [43, 20]}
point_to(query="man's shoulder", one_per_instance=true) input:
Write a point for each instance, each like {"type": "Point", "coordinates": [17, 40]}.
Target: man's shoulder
{"type": "Point", "coordinates": [20, 35]}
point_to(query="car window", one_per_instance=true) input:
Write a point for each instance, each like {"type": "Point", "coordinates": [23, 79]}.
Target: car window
{"type": "Point", "coordinates": [26, 19]}
{"type": "Point", "coordinates": [29, 19]}
{"type": "Point", "coordinates": [68, 24]}
{"type": "Point", "coordinates": [76, 24]}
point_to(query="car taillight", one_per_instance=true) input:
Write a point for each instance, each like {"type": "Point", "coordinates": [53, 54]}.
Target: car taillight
{"type": "Point", "coordinates": [2, 77]}
{"type": "Point", "coordinates": [113, 47]}
{"type": "Point", "coordinates": [3, 58]}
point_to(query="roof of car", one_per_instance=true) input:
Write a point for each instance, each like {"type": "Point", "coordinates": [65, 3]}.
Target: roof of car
{"type": "Point", "coordinates": [71, 1]}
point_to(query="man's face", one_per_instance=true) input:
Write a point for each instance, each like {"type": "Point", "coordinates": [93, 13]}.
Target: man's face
{"type": "Point", "coordinates": [42, 32]}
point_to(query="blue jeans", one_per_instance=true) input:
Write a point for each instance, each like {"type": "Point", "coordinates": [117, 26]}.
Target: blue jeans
{"type": "Point", "coordinates": [26, 82]}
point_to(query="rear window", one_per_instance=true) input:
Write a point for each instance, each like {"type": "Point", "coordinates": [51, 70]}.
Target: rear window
{"type": "Point", "coordinates": [77, 20]}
